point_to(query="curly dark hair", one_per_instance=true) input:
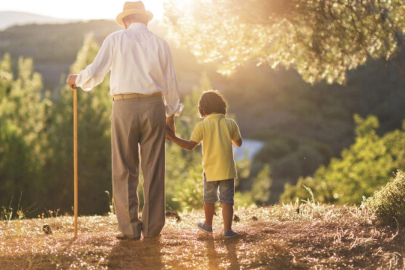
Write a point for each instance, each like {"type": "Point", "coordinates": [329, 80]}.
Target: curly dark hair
{"type": "Point", "coordinates": [211, 102]}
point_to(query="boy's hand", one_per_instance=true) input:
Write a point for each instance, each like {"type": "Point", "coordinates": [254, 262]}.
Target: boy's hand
{"type": "Point", "coordinates": [171, 136]}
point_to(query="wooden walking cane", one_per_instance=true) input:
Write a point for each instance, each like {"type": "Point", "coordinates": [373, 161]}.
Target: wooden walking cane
{"type": "Point", "coordinates": [76, 189]}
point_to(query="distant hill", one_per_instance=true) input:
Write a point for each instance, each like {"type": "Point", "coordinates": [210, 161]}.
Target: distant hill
{"type": "Point", "coordinates": [54, 47]}
{"type": "Point", "coordinates": [10, 18]}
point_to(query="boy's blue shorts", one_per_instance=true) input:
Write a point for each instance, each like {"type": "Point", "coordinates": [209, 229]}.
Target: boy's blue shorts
{"type": "Point", "coordinates": [226, 191]}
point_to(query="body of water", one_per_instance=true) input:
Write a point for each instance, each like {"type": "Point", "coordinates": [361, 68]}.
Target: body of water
{"type": "Point", "coordinates": [249, 148]}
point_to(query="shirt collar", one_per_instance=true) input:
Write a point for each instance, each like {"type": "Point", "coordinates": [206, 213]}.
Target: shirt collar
{"type": "Point", "coordinates": [215, 116]}
{"type": "Point", "coordinates": [137, 25]}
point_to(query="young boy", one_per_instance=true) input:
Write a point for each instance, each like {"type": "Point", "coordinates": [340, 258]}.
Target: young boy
{"type": "Point", "coordinates": [217, 133]}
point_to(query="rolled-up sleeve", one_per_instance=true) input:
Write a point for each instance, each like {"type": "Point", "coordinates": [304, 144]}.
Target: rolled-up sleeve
{"type": "Point", "coordinates": [172, 96]}
{"type": "Point", "coordinates": [95, 72]}
{"type": "Point", "coordinates": [235, 131]}
{"type": "Point", "coordinates": [198, 133]}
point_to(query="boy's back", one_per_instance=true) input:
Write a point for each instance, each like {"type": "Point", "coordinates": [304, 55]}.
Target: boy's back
{"type": "Point", "coordinates": [217, 133]}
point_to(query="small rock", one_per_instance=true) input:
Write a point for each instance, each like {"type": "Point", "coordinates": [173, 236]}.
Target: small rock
{"type": "Point", "coordinates": [254, 218]}
{"type": "Point", "coordinates": [236, 218]}
{"type": "Point", "coordinates": [172, 213]}
{"type": "Point", "coordinates": [47, 229]}
{"type": "Point", "coordinates": [268, 230]}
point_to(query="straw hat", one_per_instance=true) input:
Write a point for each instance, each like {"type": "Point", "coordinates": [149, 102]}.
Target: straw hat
{"type": "Point", "coordinates": [133, 8]}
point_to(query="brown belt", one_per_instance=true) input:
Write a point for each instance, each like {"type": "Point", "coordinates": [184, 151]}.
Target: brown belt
{"type": "Point", "coordinates": [132, 96]}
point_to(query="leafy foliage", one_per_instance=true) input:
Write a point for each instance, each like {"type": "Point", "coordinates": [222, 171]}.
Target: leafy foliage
{"type": "Point", "coordinates": [364, 167]}
{"type": "Point", "coordinates": [388, 203]}
{"type": "Point", "coordinates": [261, 186]}
{"type": "Point", "coordinates": [324, 191]}
{"type": "Point", "coordinates": [94, 139]}
{"type": "Point", "coordinates": [289, 157]}
{"type": "Point", "coordinates": [322, 39]}
{"type": "Point", "coordinates": [24, 115]}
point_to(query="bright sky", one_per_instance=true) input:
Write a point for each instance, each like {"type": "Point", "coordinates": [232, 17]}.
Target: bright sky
{"type": "Point", "coordinates": [77, 9]}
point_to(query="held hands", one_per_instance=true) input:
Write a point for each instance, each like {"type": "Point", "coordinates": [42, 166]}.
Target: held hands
{"type": "Point", "coordinates": [71, 81]}
{"type": "Point", "coordinates": [170, 127]}
{"type": "Point", "coordinates": [185, 144]}
{"type": "Point", "coordinates": [169, 134]}
{"type": "Point", "coordinates": [170, 123]}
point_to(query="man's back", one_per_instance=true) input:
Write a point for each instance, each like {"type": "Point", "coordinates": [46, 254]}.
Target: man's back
{"type": "Point", "coordinates": [139, 61]}
{"type": "Point", "coordinates": [146, 100]}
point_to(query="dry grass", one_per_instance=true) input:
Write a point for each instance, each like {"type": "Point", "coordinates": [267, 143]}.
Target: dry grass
{"type": "Point", "coordinates": [279, 237]}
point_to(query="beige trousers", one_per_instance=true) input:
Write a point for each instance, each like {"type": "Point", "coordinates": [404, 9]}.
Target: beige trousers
{"type": "Point", "coordinates": [138, 136]}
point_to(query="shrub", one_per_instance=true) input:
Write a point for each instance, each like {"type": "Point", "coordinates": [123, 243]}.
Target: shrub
{"type": "Point", "coordinates": [261, 186]}
{"type": "Point", "coordinates": [243, 199]}
{"type": "Point", "coordinates": [364, 167]}
{"type": "Point", "coordinates": [388, 203]}
{"type": "Point", "coordinates": [189, 192]}
{"type": "Point", "coordinates": [322, 191]}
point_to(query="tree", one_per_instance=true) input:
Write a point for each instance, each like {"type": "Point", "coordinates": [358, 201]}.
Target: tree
{"type": "Point", "coordinates": [24, 120]}
{"type": "Point", "coordinates": [23, 103]}
{"type": "Point", "coordinates": [321, 39]}
{"type": "Point", "coordinates": [365, 166]}
{"type": "Point", "coordinates": [18, 170]}
{"type": "Point", "coordinates": [94, 141]}
{"type": "Point", "coordinates": [261, 186]}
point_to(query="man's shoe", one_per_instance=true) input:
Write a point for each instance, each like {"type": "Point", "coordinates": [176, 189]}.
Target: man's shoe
{"type": "Point", "coordinates": [201, 226]}
{"type": "Point", "coordinates": [121, 236]}
{"type": "Point", "coordinates": [153, 237]}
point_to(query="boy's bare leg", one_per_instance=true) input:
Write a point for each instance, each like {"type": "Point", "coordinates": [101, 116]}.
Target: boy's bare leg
{"type": "Point", "coordinates": [227, 214]}
{"type": "Point", "coordinates": [209, 209]}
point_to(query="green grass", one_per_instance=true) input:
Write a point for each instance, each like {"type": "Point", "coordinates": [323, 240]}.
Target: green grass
{"type": "Point", "coordinates": [388, 203]}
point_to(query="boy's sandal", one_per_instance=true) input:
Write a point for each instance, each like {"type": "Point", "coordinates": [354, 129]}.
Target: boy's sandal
{"type": "Point", "coordinates": [201, 226]}
{"type": "Point", "coordinates": [230, 234]}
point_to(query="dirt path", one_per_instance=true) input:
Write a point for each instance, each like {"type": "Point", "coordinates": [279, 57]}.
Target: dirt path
{"type": "Point", "coordinates": [312, 237]}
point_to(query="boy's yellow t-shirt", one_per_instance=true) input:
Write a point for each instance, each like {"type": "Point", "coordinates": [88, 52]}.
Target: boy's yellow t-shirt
{"type": "Point", "coordinates": [216, 133]}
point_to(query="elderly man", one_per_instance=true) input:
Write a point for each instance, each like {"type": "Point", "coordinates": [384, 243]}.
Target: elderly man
{"type": "Point", "coordinates": [146, 99]}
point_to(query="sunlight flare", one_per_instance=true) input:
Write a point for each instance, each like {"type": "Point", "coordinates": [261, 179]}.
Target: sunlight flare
{"type": "Point", "coordinates": [76, 9]}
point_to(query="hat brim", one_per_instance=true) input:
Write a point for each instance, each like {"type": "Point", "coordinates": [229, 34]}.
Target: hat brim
{"type": "Point", "coordinates": [125, 13]}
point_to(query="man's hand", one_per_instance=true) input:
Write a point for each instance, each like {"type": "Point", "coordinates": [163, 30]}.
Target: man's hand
{"type": "Point", "coordinates": [185, 144]}
{"type": "Point", "coordinates": [71, 81]}
{"type": "Point", "coordinates": [170, 123]}
{"type": "Point", "coordinates": [169, 134]}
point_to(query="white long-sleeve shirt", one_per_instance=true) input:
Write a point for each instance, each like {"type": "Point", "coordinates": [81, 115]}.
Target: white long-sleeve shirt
{"type": "Point", "coordinates": [140, 62]}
